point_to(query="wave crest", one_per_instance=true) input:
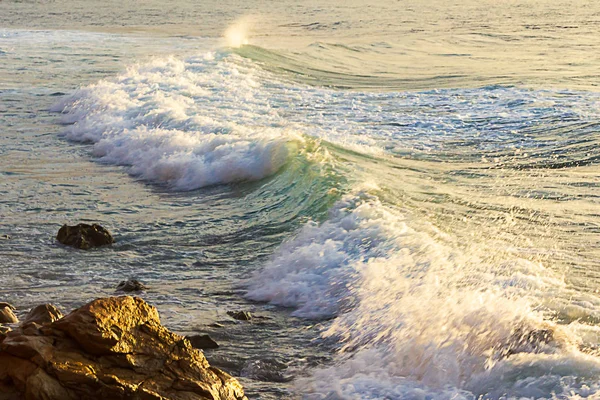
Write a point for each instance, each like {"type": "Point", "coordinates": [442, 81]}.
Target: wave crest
{"type": "Point", "coordinates": [186, 124]}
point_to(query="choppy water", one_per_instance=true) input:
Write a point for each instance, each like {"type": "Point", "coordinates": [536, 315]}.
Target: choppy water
{"type": "Point", "coordinates": [407, 193]}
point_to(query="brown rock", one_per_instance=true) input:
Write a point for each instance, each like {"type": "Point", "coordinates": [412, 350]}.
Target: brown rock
{"type": "Point", "coordinates": [84, 236]}
{"type": "Point", "coordinates": [4, 304]}
{"type": "Point", "coordinates": [6, 314]}
{"type": "Point", "coordinates": [43, 314]}
{"type": "Point", "coordinates": [131, 285]}
{"type": "Point", "coordinates": [202, 342]}
{"type": "Point", "coordinates": [3, 331]}
{"type": "Point", "coordinates": [101, 327]}
{"type": "Point", "coordinates": [112, 348]}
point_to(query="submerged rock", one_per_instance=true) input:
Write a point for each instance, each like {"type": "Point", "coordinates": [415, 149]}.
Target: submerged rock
{"type": "Point", "coordinates": [266, 370]}
{"type": "Point", "coordinates": [84, 236]}
{"type": "Point", "coordinates": [131, 285]}
{"type": "Point", "coordinates": [202, 342]}
{"type": "Point", "coordinates": [526, 340]}
{"type": "Point", "coordinates": [7, 316]}
{"type": "Point", "coordinates": [112, 348]}
{"type": "Point", "coordinates": [240, 315]}
{"type": "Point", "coordinates": [42, 314]}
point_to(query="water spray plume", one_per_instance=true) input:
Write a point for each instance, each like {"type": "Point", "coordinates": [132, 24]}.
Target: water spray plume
{"type": "Point", "coordinates": [237, 34]}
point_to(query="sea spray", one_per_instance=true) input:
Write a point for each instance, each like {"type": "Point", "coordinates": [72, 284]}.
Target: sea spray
{"type": "Point", "coordinates": [418, 316]}
{"type": "Point", "coordinates": [415, 309]}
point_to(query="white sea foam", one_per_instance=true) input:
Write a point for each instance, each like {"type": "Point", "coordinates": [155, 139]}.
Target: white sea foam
{"type": "Point", "coordinates": [187, 124]}
{"type": "Point", "coordinates": [204, 120]}
{"type": "Point", "coordinates": [419, 318]}
{"type": "Point", "coordinates": [218, 118]}
{"type": "Point", "coordinates": [418, 315]}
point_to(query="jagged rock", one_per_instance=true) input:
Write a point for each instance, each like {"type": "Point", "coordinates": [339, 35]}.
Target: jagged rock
{"type": "Point", "coordinates": [131, 285]}
{"type": "Point", "coordinates": [112, 348]}
{"type": "Point", "coordinates": [240, 315]}
{"type": "Point", "coordinates": [42, 314]}
{"type": "Point", "coordinates": [6, 314]}
{"type": "Point", "coordinates": [202, 342]}
{"type": "Point", "coordinates": [3, 331]}
{"type": "Point", "coordinates": [84, 236]}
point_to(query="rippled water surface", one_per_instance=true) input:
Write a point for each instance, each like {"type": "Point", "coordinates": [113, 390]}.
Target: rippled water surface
{"type": "Point", "coordinates": [405, 193]}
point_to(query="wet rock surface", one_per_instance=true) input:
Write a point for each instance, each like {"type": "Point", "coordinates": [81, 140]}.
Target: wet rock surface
{"type": "Point", "coordinates": [42, 314]}
{"type": "Point", "coordinates": [202, 342]}
{"type": "Point", "coordinates": [113, 348]}
{"type": "Point", "coordinates": [84, 236]}
{"type": "Point", "coordinates": [131, 285]}
{"type": "Point", "coordinates": [7, 316]}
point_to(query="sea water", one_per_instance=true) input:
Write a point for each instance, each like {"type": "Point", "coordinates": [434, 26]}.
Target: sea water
{"type": "Point", "coordinates": [405, 193]}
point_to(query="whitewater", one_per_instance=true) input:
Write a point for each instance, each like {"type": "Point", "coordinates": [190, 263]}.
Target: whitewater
{"type": "Point", "coordinates": [406, 193]}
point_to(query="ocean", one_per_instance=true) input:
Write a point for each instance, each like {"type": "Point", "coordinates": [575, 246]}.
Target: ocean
{"type": "Point", "coordinates": [404, 193]}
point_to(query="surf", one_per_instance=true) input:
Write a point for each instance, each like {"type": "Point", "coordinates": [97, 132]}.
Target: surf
{"type": "Point", "coordinates": [421, 285]}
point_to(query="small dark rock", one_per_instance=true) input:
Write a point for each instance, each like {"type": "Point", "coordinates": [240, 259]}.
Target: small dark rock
{"type": "Point", "coordinates": [42, 314]}
{"type": "Point", "coordinates": [202, 342]}
{"type": "Point", "coordinates": [84, 236]}
{"type": "Point", "coordinates": [131, 285]}
{"type": "Point", "coordinates": [6, 314]}
{"type": "Point", "coordinates": [240, 315]}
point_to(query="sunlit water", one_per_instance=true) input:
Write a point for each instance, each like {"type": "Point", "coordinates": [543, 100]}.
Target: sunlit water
{"type": "Point", "coordinates": [407, 194]}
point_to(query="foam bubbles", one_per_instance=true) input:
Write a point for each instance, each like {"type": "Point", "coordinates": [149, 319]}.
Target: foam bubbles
{"type": "Point", "coordinates": [186, 124]}
{"type": "Point", "coordinates": [419, 316]}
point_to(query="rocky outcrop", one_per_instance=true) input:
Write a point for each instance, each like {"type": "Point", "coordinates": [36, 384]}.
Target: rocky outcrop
{"type": "Point", "coordinates": [7, 316]}
{"type": "Point", "coordinates": [111, 348]}
{"type": "Point", "coordinates": [84, 236]}
{"type": "Point", "coordinates": [42, 314]}
{"type": "Point", "coordinates": [131, 285]}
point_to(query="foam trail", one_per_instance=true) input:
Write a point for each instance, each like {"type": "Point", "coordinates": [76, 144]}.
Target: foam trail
{"type": "Point", "coordinates": [418, 318]}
